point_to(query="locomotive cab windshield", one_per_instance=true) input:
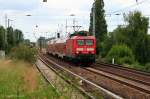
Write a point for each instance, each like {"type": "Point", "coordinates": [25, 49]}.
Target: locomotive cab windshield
{"type": "Point", "coordinates": [80, 42]}
{"type": "Point", "coordinates": [85, 42]}
{"type": "Point", "coordinates": [89, 42]}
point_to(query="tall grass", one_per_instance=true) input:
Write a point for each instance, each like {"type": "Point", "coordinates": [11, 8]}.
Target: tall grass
{"type": "Point", "coordinates": [19, 80]}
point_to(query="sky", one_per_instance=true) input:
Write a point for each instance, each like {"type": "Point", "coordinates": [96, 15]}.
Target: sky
{"type": "Point", "coordinates": [48, 18]}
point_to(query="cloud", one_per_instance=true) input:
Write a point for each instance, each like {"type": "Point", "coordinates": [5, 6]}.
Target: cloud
{"type": "Point", "coordinates": [69, 6]}
{"type": "Point", "coordinates": [22, 5]}
{"type": "Point", "coordinates": [49, 15]}
{"type": "Point", "coordinates": [125, 2]}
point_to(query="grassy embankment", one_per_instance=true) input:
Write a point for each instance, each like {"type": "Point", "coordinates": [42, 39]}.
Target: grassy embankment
{"type": "Point", "coordinates": [19, 80]}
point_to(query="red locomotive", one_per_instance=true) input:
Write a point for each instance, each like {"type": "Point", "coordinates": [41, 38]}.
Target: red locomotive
{"type": "Point", "coordinates": [79, 47]}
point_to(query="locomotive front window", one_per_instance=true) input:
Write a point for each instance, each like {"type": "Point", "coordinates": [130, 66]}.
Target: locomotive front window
{"type": "Point", "coordinates": [80, 42]}
{"type": "Point", "coordinates": [89, 42]}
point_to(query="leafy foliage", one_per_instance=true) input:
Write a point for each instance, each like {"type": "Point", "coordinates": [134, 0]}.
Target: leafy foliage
{"type": "Point", "coordinates": [14, 37]}
{"type": "Point", "coordinates": [122, 54]}
{"type": "Point", "coordinates": [137, 35]}
{"type": "Point", "coordinates": [2, 38]}
{"type": "Point", "coordinates": [137, 66]}
{"type": "Point", "coordinates": [134, 35]}
{"type": "Point", "coordinates": [107, 44]}
{"type": "Point", "coordinates": [10, 38]}
{"type": "Point", "coordinates": [148, 48]}
{"type": "Point", "coordinates": [100, 23]}
{"type": "Point", "coordinates": [23, 52]}
{"type": "Point", "coordinates": [18, 36]}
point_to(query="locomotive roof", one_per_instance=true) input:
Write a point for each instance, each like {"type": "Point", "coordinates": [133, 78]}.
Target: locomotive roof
{"type": "Point", "coordinates": [83, 37]}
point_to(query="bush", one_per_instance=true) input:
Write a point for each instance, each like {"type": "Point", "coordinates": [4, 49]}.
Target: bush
{"type": "Point", "coordinates": [122, 55]}
{"type": "Point", "coordinates": [147, 67]}
{"type": "Point", "coordinates": [137, 66]}
{"type": "Point", "coordinates": [24, 52]}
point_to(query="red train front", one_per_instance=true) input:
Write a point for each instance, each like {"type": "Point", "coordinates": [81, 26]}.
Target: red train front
{"type": "Point", "coordinates": [81, 48]}
{"type": "Point", "coordinates": [78, 48]}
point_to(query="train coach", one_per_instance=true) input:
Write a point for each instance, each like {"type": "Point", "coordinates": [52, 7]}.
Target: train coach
{"type": "Point", "coordinates": [78, 48]}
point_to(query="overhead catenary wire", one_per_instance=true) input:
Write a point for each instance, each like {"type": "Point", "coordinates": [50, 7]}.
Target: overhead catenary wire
{"type": "Point", "coordinates": [122, 10]}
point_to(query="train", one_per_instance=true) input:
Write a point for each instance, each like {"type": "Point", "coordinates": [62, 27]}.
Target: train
{"type": "Point", "coordinates": [79, 47]}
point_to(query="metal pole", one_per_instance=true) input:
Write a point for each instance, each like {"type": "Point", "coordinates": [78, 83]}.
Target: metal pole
{"type": "Point", "coordinates": [66, 26]}
{"type": "Point", "coordinates": [94, 18]}
{"type": "Point", "coordinates": [74, 28]}
{"type": "Point", "coordinates": [73, 21]}
{"type": "Point", "coordinates": [8, 23]}
{"type": "Point", "coordinates": [5, 32]}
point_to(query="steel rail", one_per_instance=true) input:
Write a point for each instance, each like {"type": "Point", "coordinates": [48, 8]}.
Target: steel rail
{"type": "Point", "coordinates": [113, 95]}
{"type": "Point", "coordinates": [44, 76]}
{"type": "Point", "coordinates": [69, 82]}
{"type": "Point", "coordinates": [124, 76]}
{"type": "Point", "coordinates": [123, 68]}
{"type": "Point", "coordinates": [116, 78]}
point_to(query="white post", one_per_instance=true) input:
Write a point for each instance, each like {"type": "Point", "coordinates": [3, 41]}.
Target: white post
{"type": "Point", "coordinates": [113, 60]}
{"type": "Point", "coordinates": [2, 54]}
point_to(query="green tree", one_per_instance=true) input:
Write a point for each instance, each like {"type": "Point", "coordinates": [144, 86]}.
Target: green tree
{"type": "Point", "coordinates": [14, 37]}
{"type": "Point", "coordinates": [134, 35]}
{"type": "Point", "coordinates": [18, 36]}
{"type": "Point", "coordinates": [10, 38]}
{"type": "Point", "coordinates": [138, 35]}
{"type": "Point", "coordinates": [100, 23]}
{"type": "Point", "coordinates": [148, 48]}
{"type": "Point", "coordinates": [108, 43]}
{"type": "Point", "coordinates": [2, 38]}
{"type": "Point", "coordinates": [27, 42]}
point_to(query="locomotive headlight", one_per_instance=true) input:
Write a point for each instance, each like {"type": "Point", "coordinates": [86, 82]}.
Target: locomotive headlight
{"type": "Point", "coordinates": [90, 49]}
{"type": "Point", "coordinates": [77, 52]}
{"type": "Point", "coordinates": [79, 49]}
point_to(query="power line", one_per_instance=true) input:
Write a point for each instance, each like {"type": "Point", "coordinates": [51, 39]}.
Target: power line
{"type": "Point", "coordinates": [128, 7]}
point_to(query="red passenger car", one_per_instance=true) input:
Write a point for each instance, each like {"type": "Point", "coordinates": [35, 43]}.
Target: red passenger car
{"type": "Point", "coordinates": [77, 48]}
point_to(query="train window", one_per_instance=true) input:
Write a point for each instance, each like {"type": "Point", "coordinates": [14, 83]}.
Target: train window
{"type": "Point", "coordinates": [89, 42]}
{"type": "Point", "coordinates": [80, 42]}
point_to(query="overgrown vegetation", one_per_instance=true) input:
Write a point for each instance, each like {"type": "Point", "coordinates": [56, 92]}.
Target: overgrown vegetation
{"type": "Point", "coordinates": [19, 80]}
{"type": "Point", "coordinates": [24, 52]}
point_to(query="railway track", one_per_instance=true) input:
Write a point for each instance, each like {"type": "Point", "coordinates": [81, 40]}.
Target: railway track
{"type": "Point", "coordinates": [119, 83]}
{"type": "Point", "coordinates": [44, 75]}
{"type": "Point", "coordinates": [127, 73]}
{"type": "Point", "coordinates": [106, 92]}
{"type": "Point", "coordinates": [120, 67]}
{"type": "Point", "coordinates": [43, 69]}
{"type": "Point", "coordinates": [136, 84]}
